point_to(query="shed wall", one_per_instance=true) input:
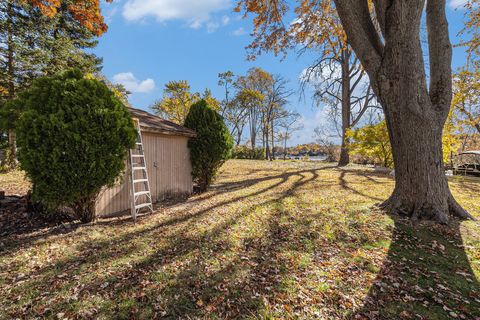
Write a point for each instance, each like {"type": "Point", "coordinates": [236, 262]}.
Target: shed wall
{"type": "Point", "coordinates": [169, 173]}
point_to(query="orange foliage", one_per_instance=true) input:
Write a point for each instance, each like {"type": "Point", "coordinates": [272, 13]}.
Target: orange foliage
{"type": "Point", "coordinates": [87, 12]}
{"type": "Point", "coordinates": [316, 25]}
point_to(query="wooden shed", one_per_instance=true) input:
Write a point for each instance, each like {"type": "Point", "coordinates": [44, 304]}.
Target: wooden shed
{"type": "Point", "coordinates": [168, 164]}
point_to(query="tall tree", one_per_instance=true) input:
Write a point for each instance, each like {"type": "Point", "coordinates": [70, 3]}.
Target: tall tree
{"type": "Point", "coordinates": [257, 82]}
{"type": "Point", "coordinates": [341, 82]}
{"type": "Point", "coordinates": [226, 80]}
{"type": "Point", "coordinates": [466, 99]}
{"type": "Point", "coordinates": [389, 48]}
{"type": "Point", "coordinates": [249, 100]}
{"type": "Point", "coordinates": [86, 12]}
{"type": "Point", "coordinates": [176, 102]}
{"type": "Point", "coordinates": [274, 110]}
{"type": "Point", "coordinates": [236, 115]}
{"type": "Point", "coordinates": [178, 99]}
{"type": "Point", "coordinates": [288, 125]}
{"type": "Point", "coordinates": [32, 45]}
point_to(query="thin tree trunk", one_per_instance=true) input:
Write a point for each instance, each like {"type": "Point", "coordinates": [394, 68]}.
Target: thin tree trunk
{"type": "Point", "coordinates": [346, 109]}
{"type": "Point", "coordinates": [266, 144]}
{"type": "Point", "coordinates": [12, 138]}
{"type": "Point", "coordinates": [239, 138]}
{"type": "Point", "coordinates": [273, 140]}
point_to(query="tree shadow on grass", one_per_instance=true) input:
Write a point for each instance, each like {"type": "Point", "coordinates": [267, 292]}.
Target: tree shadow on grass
{"type": "Point", "coordinates": [344, 184]}
{"type": "Point", "coordinates": [180, 244]}
{"type": "Point", "coordinates": [202, 270]}
{"type": "Point", "coordinates": [426, 275]}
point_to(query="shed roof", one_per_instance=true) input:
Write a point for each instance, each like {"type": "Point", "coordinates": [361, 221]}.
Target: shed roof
{"type": "Point", "coordinates": [152, 123]}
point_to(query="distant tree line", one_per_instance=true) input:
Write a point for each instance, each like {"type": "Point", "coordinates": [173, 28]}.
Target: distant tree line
{"type": "Point", "coordinates": [254, 107]}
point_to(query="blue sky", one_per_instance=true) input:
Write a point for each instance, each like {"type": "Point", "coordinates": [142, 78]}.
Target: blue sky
{"type": "Point", "coordinates": [151, 42]}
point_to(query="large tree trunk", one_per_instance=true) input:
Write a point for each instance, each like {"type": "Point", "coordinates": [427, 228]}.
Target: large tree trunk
{"type": "Point", "coordinates": [415, 113]}
{"type": "Point", "coordinates": [421, 187]}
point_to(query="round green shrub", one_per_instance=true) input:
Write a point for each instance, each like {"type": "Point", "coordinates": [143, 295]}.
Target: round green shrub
{"type": "Point", "coordinates": [73, 138]}
{"type": "Point", "coordinates": [212, 146]}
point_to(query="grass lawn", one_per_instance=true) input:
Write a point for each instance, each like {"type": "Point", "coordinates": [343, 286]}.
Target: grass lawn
{"type": "Point", "coordinates": [270, 240]}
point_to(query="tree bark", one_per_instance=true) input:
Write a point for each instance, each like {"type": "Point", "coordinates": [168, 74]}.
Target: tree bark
{"type": "Point", "coordinates": [346, 109]}
{"type": "Point", "coordinates": [266, 143]}
{"type": "Point", "coordinates": [12, 138]}
{"type": "Point", "coordinates": [272, 155]}
{"type": "Point", "coordinates": [415, 114]}
{"type": "Point", "coordinates": [421, 187]}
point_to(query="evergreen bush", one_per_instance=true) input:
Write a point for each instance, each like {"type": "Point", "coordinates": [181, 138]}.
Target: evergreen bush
{"type": "Point", "coordinates": [73, 137]}
{"type": "Point", "coordinates": [212, 146]}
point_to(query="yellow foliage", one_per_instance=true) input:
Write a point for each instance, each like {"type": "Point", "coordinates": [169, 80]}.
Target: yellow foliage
{"type": "Point", "coordinates": [177, 100]}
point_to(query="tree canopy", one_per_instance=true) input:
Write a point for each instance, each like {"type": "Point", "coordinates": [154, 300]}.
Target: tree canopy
{"type": "Point", "coordinates": [87, 12]}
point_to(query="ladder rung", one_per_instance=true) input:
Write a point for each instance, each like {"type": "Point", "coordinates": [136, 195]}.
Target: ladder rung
{"type": "Point", "coordinates": [139, 168]}
{"type": "Point", "coordinates": [138, 155]}
{"type": "Point", "coordinates": [141, 193]}
{"type": "Point", "coordinates": [140, 180]}
{"type": "Point", "coordinates": [143, 205]}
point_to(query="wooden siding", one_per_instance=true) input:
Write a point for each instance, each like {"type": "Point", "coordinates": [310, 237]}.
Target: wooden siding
{"type": "Point", "coordinates": [169, 172]}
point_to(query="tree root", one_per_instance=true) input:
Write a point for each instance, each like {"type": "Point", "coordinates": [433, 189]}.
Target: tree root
{"type": "Point", "coordinates": [425, 210]}
{"type": "Point", "coordinates": [457, 210]}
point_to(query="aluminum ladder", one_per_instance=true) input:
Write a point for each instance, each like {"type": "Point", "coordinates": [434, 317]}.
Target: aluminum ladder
{"type": "Point", "coordinates": [140, 190]}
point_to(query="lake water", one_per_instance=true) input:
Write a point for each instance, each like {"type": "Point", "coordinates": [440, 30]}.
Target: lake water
{"type": "Point", "coordinates": [312, 158]}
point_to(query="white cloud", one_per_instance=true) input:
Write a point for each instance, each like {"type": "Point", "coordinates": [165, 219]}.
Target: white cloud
{"type": "Point", "coordinates": [457, 4]}
{"type": "Point", "coordinates": [132, 84]}
{"type": "Point", "coordinates": [239, 32]}
{"type": "Point", "coordinates": [212, 26]}
{"type": "Point", "coordinates": [196, 13]}
{"type": "Point", "coordinates": [225, 20]}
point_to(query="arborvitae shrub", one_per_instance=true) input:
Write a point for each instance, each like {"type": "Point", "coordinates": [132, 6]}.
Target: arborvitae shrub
{"type": "Point", "coordinates": [73, 138]}
{"type": "Point", "coordinates": [212, 146]}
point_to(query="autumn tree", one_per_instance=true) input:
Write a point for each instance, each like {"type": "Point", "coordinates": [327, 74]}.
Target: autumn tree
{"type": "Point", "coordinates": [86, 12]}
{"type": "Point", "coordinates": [236, 114]}
{"type": "Point", "coordinates": [274, 111]}
{"type": "Point", "coordinates": [178, 99]}
{"type": "Point", "coordinates": [249, 100]}
{"type": "Point", "coordinates": [388, 46]}
{"type": "Point", "coordinates": [466, 99]}
{"type": "Point", "coordinates": [256, 81]}
{"type": "Point", "coordinates": [288, 124]}
{"type": "Point", "coordinates": [342, 84]}
{"type": "Point", "coordinates": [227, 81]}
{"type": "Point", "coordinates": [176, 102]}
{"type": "Point", "coordinates": [372, 141]}
{"type": "Point", "coordinates": [337, 75]}
{"type": "Point", "coordinates": [32, 45]}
